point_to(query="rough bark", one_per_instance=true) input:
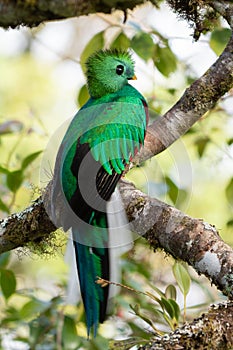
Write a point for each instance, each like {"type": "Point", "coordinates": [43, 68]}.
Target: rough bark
{"type": "Point", "coordinates": [191, 240]}
{"type": "Point", "coordinates": [31, 225]}
{"type": "Point", "coordinates": [33, 12]}
{"type": "Point", "coordinates": [201, 333]}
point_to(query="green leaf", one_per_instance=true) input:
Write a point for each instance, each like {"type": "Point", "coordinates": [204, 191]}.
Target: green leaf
{"type": "Point", "coordinates": [143, 45]}
{"type": "Point", "coordinates": [230, 141]}
{"type": "Point", "coordinates": [8, 283]}
{"type": "Point", "coordinates": [70, 337]}
{"type": "Point", "coordinates": [229, 191]}
{"type": "Point", "coordinates": [172, 91]}
{"type": "Point", "coordinates": [33, 307]}
{"type": "Point", "coordinates": [14, 180]}
{"type": "Point", "coordinates": [173, 310]}
{"type": "Point", "coordinates": [173, 190]}
{"type": "Point", "coordinates": [83, 95]}
{"type": "Point", "coordinates": [121, 42]}
{"type": "Point", "coordinates": [176, 309]}
{"type": "Point", "coordinates": [230, 223]}
{"type": "Point", "coordinates": [95, 44]}
{"type": "Point", "coordinates": [219, 39]}
{"type": "Point", "coordinates": [4, 207]}
{"type": "Point", "coordinates": [29, 159]}
{"type": "Point", "coordinates": [4, 259]}
{"type": "Point", "coordinates": [165, 303]}
{"type": "Point", "coordinates": [182, 277]}
{"type": "Point", "coordinates": [168, 320]}
{"type": "Point", "coordinates": [12, 315]}
{"type": "Point", "coordinates": [135, 308]}
{"type": "Point", "coordinates": [170, 292]}
{"type": "Point", "coordinates": [165, 60]}
{"type": "Point", "coordinates": [201, 144]}
{"type": "Point", "coordinates": [4, 170]}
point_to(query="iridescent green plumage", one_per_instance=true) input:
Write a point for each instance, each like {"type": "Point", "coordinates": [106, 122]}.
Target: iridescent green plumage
{"type": "Point", "coordinates": [101, 72]}
{"type": "Point", "coordinates": [101, 139]}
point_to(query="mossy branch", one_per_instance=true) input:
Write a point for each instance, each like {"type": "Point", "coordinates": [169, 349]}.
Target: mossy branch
{"type": "Point", "coordinates": [203, 333]}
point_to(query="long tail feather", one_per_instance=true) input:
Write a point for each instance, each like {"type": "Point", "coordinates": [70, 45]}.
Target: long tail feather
{"type": "Point", "coordinates": [99, 261]}
{"type": "Point", "coordinates": [92, 262]}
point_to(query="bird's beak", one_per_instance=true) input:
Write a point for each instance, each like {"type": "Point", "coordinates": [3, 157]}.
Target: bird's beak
{"type": "Point", "coordinates": [133, 78]}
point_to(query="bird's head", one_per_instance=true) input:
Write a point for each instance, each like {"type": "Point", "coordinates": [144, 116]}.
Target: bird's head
{"type": "Point", "coordinates": [108, 71]}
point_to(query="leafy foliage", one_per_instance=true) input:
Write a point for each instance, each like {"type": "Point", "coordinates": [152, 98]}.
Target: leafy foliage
{"type": "Point", "coordinates": [218, 39]}
{"type": "Point", "coordinates": [8, 283]}
{"type": "Point", "coordinates": [96, 43]}
{"type": "Point", "coordinates": [143, 45]}
{"type": "Point", "coordinates": [15, 178]}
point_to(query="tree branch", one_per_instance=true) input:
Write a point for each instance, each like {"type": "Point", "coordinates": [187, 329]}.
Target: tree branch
{"type": "Point", "coordinates": [21, 229]}
{"type": "Point", "coordinates": [225, 9]}
{"type": "Point", "coordinates": [33, 12]}
{"type": "Point", "coordinates": [191, 240]}
{"type": "Point", "coordinates": [203, 333]}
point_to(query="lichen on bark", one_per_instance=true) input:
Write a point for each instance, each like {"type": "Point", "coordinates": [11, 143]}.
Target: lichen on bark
{"type": "Point", "coordinates": [201, 334]}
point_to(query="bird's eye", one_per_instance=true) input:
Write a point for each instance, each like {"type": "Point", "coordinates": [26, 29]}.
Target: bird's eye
{"type": "Point", "coordinates": [119, 69]}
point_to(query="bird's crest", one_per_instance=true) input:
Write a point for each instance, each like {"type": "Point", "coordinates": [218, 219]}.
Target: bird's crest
{"type": "Point", "coordinates": [100, 55]}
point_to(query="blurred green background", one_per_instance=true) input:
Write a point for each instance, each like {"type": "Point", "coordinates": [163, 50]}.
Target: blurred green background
{"type": "Point", "coordinates": [41, 87]}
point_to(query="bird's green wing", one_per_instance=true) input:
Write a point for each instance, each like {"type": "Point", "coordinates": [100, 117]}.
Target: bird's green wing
{"type": "Point", "coordinates": [116, 133]}
{"type": "Point", "coordinates": [111, 128]}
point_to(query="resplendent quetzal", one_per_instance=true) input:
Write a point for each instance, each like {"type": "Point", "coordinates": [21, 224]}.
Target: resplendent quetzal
{"type": "Point", "coordinates": [99, 143]}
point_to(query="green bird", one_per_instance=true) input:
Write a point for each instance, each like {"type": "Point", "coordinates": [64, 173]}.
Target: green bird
{"type": "Point", "coordinates": [100, 141]}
